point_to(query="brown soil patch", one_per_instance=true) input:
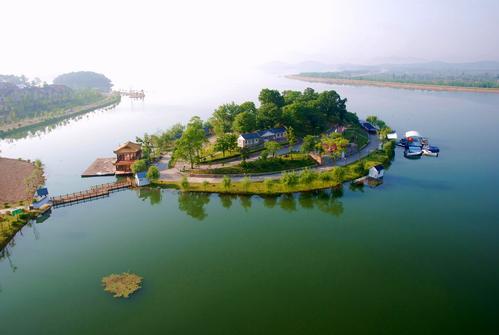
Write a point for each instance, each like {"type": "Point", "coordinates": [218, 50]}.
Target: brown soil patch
{"type": "Point", "coordinates": [13, 176]}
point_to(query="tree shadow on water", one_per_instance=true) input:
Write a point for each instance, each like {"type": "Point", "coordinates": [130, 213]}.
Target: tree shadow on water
{"type": "Point", "coordinates": [193, 204]}
{"type": "Point", "coordinates": [153, 194]}
{"type": "Point", "coordinates": [245, 201]}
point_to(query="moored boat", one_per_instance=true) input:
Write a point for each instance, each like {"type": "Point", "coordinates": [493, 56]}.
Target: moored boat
{"type": "Point", "coordinates": [413, 151]}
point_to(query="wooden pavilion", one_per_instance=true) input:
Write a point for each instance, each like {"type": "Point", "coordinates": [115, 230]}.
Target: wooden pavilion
{"type": "Point", "coordinates": [126, 155]}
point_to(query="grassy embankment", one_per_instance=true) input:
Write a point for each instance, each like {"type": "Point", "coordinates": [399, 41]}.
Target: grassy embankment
{"type": "Point", "coordinates": [49, 118]}
{"type": "Point", "coordinates": [292, 182]}
{"type": "Point", "coordinates": [10, 225]}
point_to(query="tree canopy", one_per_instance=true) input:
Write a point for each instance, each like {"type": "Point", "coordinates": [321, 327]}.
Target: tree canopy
{"type": "Point", "coordinates": [84, 80]}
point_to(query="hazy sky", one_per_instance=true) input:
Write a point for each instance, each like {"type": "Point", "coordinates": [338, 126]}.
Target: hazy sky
{"type": "Point", "coordinates": [126, 39]}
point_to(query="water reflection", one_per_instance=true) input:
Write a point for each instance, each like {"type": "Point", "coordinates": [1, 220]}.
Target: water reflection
{"type": "Point", "coordinates": [153, 194]}
{"type": "Point", "coordinates": [226, 200]}
{"type": "Point", "coordinates": [245, 201]}
{"type": "Point", "coordinates": [45, 127]}
{"type": "Point", "coordinates": [270, 201]}
{"type": "Point", "coordinates": [193, 204]}
{"type": "Point", "coordinates": [288, 202]}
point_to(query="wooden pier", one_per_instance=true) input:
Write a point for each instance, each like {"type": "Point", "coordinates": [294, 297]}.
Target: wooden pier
{"type": "Point", "coordinates": [94, 192]}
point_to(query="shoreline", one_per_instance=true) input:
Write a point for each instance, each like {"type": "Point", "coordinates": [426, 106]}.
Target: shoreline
{"type": "Point", "coordinates": [109, 100]}
{"type": "Point", "coordinates": [391, 84]}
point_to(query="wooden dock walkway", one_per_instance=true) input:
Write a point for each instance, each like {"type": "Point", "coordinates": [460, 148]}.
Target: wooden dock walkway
{"type": "Point", "coordinates": [94, 192]}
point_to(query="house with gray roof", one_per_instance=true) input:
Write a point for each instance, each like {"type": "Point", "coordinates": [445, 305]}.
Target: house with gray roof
{"type": "Point", "coordinates": [259, 137]}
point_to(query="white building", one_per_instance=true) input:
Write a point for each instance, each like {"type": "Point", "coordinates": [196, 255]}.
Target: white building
{"type": "Point", "coordinates": [377, 172]}
{"type": "Point", "coordinates": [141, 179]}
{"type": "Point", "coordinates": [259, 137]}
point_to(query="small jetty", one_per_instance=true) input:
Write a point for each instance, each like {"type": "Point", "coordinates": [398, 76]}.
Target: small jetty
{"type": "Point", "coordinates": [94, 192]}
{"type": "Point", "coordinates": [133, 94]}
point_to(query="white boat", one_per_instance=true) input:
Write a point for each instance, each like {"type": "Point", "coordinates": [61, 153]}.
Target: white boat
{"type": "Point", "coordinates": [412, 133]}
{"type": "Point", "coordinates": [428, 152]}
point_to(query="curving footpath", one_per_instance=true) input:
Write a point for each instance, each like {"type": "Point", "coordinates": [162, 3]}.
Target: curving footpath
{"type": "Point", "coordinates": [174, 174]}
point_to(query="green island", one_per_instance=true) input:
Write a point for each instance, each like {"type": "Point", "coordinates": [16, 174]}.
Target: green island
{"type": "Point", "coordinates": [29, 104]}
{"type": "Point", "coordinates": [293, 142]}
{"type": "Point", "coordinates": [466, 77]}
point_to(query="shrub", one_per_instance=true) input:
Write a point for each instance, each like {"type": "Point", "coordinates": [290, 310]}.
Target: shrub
{"type": "Point", "coordinates": [264, 154]}
{"type": "Point", "coordinates": [246, 183]}
{"type": "Point", "coordinates": [184, 182]}
{"type": "Point", "coordinates": [325, 176]}
{"type": "Point", "coordinates": [153, 173]}
{"type": "Point", "coordinates": [338, 173]}
{"type": "Point", "coordinates": [139, 166]}
{"type": "Point", "coordinates": [227, 182]}
{"type": "Point", "coordinates": [289, 178]}
{"type": "Point", "coordinates": [307, 176]}
{"type": "Point", "coordinates": [268, 184]}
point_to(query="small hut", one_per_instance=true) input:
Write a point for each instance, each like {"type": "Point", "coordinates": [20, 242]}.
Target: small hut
{"type": "Point", "coordinates": [141, 179]}
{"type": "Point", "coordinates": [377, 172]}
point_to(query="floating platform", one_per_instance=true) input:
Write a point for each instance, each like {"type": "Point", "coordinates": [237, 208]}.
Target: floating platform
{"type": "Point", "coordinates": [100, 167]}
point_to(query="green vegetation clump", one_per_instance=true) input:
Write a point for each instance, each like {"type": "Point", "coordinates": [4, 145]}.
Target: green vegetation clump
{"type": "Point", "coordinates": [122, 285]}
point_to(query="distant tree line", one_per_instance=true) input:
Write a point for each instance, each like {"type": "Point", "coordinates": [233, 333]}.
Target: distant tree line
{"type": "Point", "coordinates": [446, 78]}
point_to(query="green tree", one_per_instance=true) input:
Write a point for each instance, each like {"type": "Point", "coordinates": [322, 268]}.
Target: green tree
{"type": "Point", "coordinates": [309, 144]}
{"type": "Point", "coordinates": [245, 122]}
{"type": "Point", "coordinates": [226, 182]}
{"type": "Point", "coordinates": [291, 137]}
{"type": "Point", "coordinates": [334, 145]}
{"type": "Point", "coordinates": [189, 145]}
{"type": "Point", "coordinates": [223, 117]}
{"type": "Point", "coordinates": [268, 115]}
{"type": "Point", "coordinates": [246, 182]}
{"type": "Point", "coordinates": [289, 178]}
{"type": "Point", "coordinates": [307, 176]}
{"type": "Point", "coordinates": [184, 183]}
{"type": "Point", "coordinates": [245, 153]}
{"type": "Point", "coordinates": [272, 147]}
{"type": "Point", "coordinates": [268, 96]}
{"type": "Point", "coordinates": [338, 174]}
{"type": "Point", "coordinates": [268, 184]}
{"type": "Point", "coordinates": [153, 173]}
{"type": "Point", "coordinates": [139, 166]}
{"type": "Point", "coordinates": [205, 184]}
{"type": "Point", "coordinates": [226, 142]}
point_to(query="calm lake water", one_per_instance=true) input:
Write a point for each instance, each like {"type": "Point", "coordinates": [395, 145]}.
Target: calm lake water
{"type": "Point", "coordinates": [418, 255]}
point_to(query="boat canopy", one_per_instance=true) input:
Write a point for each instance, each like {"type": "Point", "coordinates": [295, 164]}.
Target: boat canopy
{"type": "Point", "coordinates": [412, 133]}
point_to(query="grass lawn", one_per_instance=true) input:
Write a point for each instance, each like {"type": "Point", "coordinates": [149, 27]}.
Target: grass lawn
{"type": "Point", "coordinates": [357, 136]}
{"type": "Point", "coordinates": [281, 163]}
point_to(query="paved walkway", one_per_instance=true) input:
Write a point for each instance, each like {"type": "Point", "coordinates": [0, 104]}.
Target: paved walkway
{"type": "Point", "coordinates": [174, 174]}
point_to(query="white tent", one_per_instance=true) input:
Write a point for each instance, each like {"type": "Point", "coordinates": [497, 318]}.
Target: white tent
{"type": "Point", "coordinates": [412, 133]}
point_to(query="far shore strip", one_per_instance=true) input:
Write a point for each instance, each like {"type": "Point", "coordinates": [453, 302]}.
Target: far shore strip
{"type": "Point", "coordinates": [391, 84]}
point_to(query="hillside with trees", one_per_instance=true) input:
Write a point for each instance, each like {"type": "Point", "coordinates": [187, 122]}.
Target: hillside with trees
{"type": "Point", "coordinates": [25, 102]}
{"type": "Point", "coordinates": [84, 80]}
